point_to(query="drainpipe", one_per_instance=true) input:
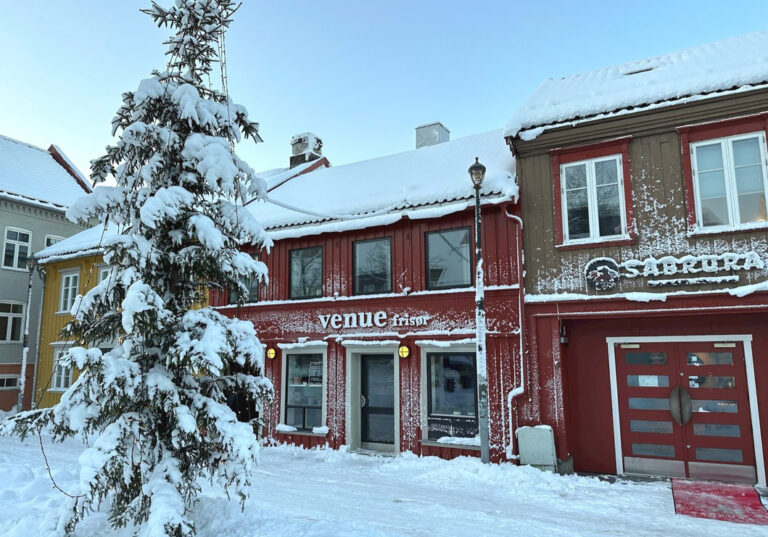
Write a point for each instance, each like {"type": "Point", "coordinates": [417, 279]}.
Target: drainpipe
{"type": "Point", "coordinates": [25, 351]}
{"type": "Point", "coordinates": [518, 390]}
{"type": "Point", "coordinates": [41, 271]}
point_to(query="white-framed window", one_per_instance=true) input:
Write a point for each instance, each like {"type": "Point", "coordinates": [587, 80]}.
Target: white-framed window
{"type": "Point", "coordinates": [18, 246]}
{"type": "Point", "coordinates": [104, 273]}
{"type": "Point", "coordinates": [11, 322]}
{"type": "Point", "coordinates": [729, 179]}
{"type": "Point", "coordinates": [303, 398]}
{"type": "Point", "coordinates": [9, 382]}
{"type": "Point", "coordinates": [70, 282]}
{"type": "Point", "coordinates": [61, 378]}
{"type": "Point", "coordinates": [592, 193]}
{"type": "Point", "coordinates": [50, 240]}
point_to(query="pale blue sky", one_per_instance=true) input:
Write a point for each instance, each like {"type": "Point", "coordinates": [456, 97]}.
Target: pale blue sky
{"type": "Point", "coordinates": [361, 75]}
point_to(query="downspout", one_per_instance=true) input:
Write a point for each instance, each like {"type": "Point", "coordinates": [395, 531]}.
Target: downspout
{"type": "Point", "coordinates": [41, 271]}
{"type": "Point", "coordinates": [518, 390]}
{"type": "Point", "coordinates": [25, 351]}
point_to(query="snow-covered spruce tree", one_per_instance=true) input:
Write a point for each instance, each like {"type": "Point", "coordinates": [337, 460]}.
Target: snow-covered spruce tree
{"type": "Point", "coordinates": [155, 407]}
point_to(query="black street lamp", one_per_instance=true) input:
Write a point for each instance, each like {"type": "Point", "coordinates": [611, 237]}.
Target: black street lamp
{"type": "Point", "coordinates": [477, 174]}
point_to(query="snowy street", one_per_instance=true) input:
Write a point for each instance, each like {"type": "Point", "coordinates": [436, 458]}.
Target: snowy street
{"type": "Point", "coordinates": [331, 493]}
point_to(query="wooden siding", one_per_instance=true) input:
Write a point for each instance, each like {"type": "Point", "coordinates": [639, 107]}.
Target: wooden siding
{"type": "Point", "coordinates": [52, 322]}
{"type": "Point", "coordinates": [658, 195]}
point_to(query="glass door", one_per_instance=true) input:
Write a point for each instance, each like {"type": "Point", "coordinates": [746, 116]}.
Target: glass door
{"type": "Point", "coordinates": [377, 401]}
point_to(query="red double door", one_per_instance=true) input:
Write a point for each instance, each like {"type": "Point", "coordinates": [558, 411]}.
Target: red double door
{"type": "Point", "coordinates": [684, 410]}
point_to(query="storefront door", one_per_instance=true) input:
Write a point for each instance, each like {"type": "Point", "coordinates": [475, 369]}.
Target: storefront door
{"type": "Point", "coordinates": [377, 390]}
{"type": "Point", "coordinates": [684, 410]}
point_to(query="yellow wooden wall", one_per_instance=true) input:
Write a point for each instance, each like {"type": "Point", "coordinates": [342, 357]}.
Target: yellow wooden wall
{"type": "Point", "coordinates": [52, 321]}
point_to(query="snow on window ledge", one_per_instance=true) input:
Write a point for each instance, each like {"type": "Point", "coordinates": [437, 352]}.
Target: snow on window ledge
{"type": "Point", "coordinates": [302, 344]}
{"type": "Point", "coordinates": [289, 429]}
{"type": "Point", "coordinates": [283, 428]}
{"type": "Point", "coordinates": [716, 230]}
{"type": "Point", "coordinates": [453, 442]}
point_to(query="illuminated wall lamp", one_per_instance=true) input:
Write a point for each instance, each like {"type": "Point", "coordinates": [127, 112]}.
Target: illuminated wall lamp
{"type": "Point", "coordinates": [403, 351]}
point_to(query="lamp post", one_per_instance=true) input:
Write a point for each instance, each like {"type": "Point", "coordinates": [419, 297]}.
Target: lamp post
{"type": "Point", "coordinates": [477, 174]}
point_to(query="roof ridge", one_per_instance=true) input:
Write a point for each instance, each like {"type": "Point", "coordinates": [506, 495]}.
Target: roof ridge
{"type": "Point", "coordinates": [31, 146]}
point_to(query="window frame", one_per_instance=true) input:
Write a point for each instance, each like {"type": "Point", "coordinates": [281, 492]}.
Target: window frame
{"type": "Point", "coordinates": [57, 237]}
{"type": "Point", "coordinates": [472, 260]}
{"type": "Point", "coordinates": [55, 365]}
{"type": "Point", "coordinates": [4, 378]}
{"type": "Point", "coordinates": [10, 315]}
{"type": "Point", "coordinates": [322, 352]}
{"type": "Point", "coordinates": [355, 290]}
{"type": "Point", "coordinates": [101, 270]}
{"type": "Point", "coordinates": [563, 157]}
{"type": "Point", "coordinates": [66, 274]}
{"type": "Point", "coordinates": [290, 272]}
{"type": "Point", "coordinates": [16, 249]}
{"type": "Point", "coordinates": [729, 176]}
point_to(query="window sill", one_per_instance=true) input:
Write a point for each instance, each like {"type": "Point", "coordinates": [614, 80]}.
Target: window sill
{"type": "Point", "coordinates": [11, 389]}
{"type": "Point", "coordinates": [16, 269]}
{"type": "Point", "coordinates": [303, 433]}
{"type": "Point", "coordinates": [720, 230]}
{"type": "Point", "coordinates": [10, 342]}
{"type": "Point", "coordinates": [63, 313]}
{"type": "Point", "coordinates": [57, 390]}
{"type": "Point", "coordinates": [433, 443]}
{"type": "Point", "coordinates": [603, 243]}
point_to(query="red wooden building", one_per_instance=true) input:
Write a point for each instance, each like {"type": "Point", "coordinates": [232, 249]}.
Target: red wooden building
{"type": "Point", "coordinates": [368, 317]}
{"type": "Point", "coordinates": [643, 192]}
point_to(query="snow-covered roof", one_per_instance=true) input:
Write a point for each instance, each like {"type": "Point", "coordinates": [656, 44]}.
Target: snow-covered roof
{"type": "Point", "coordinates": [87, 242]}
{"type": "Point", "coordinates": [31, 175]}
{"type": "Point", "coordinates": [388, 187]}
{"type": "Point", "coordinates": [731, 65]}
{"type": "Point", "coordinates": [277, 176]}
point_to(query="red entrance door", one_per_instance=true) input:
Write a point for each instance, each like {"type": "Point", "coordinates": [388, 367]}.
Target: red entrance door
{"type": "Point", "coordinates": [684, 410]}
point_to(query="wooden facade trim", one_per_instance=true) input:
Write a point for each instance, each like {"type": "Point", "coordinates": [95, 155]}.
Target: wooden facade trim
{"type": "Point", "coordinates": [705, 131]}
{"type": "Point", "coordinates": [560, 156]}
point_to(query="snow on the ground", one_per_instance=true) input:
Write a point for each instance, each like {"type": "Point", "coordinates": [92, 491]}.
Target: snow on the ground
{"type": "Point", "coordinates": [301, 493]}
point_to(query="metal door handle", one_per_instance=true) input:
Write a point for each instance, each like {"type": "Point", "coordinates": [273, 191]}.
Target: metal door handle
{"type": "Point", "coordinates": [686, 409]}
{"type": "Point", "coordinates": [363, 400]}
{"type": "Point", "coordinates": [674, 405]}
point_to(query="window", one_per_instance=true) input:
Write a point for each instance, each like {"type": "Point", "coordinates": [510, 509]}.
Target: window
{"type": "Point", "coordinates": [452, 395]}
{"type": "Point", "coordinates": [449, 261]}
{"type": "Point", "coordinates": [253, 292]}
{"type": "Point", "coordinates": [593, 199]}
{"type": "Point", "coordinates": [50, 240]}
{"type": "Point", "coordinates": [373, 266]}
{"type": "Point", "coordinates": [307, 272]}
{"type": "Point", "coordinates": [104, 273]}
{"type": "Point", "coordinates": [304, 391]}
{"type": "Point", "coordinates": [8, 382]}
{"type": "Point", "coordinates": [62, 374]}
{"type": "Point", "coordinates": [17, 248]}
{"type": "Point", "coordinates": [11, 319]}
{"type": "Point", "coordinates": [69, 285]}
{"type": "Point", "coordinates": [729, 178]}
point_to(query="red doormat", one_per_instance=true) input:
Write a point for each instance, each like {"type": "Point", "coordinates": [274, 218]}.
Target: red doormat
{"type": "Point", "coordinates": [720, 501]}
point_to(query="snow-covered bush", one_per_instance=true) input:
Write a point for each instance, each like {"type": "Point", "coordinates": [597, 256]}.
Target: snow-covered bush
{"type": "Point", "coordinates": [155, 406]}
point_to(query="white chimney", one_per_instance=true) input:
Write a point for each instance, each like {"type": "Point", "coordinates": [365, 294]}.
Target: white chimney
{"type": "Point", "coordinates": [305, 148]}
{"type": "Point", "coordinates": [431, 134]}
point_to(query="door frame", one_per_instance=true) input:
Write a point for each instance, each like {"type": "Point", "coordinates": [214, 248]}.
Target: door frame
{"type": "Point", "coordinates": [744, 339]}
{"type": "Point", "coordinates": [354, 370]}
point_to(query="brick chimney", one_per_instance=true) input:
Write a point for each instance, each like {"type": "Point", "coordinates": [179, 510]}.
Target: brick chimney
{"type": "Point", "coordinates": [305, 148]}
{"type": "Point", "coordinates": [431, 134]}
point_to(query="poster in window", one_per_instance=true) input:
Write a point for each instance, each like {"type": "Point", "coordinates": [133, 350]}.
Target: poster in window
{"type": "Point", "coordinates": [316, 372]}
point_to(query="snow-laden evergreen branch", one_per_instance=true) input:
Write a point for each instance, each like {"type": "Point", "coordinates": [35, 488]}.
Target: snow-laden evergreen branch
{"type": "Point", "coordinates": [155, 405]}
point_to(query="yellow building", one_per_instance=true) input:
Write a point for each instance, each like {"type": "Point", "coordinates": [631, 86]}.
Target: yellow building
{"type": "Point", "coordinates": [71, 267]}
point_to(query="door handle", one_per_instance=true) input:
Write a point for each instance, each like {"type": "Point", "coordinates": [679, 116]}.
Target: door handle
{"type": "Point", "coordinates": [363, 400]}
{"type": "Point", "coordinates": [686, 409]}
{"type": "Point", "coordinates": [674, 405]}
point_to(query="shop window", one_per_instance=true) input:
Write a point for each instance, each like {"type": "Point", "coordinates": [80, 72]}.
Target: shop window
{"type": "Point", "coordinates": [9, 382]}
{"type": "Point", "coordinates": [70, 282]}
{"type": "Point", "coordinates": [11, 320]}
{"type": "Point", "coordinates": [452, 395]}
{"type": "Point", "coordinates": [449, 260]}
{"type": "Point", "coordinates": [251, 295]}
{"type": "Point", "coordinates": [307, 272]}
{"type": "Point", "coordinates": [373, 266]}
{"type": "Point", "coordinates": [593, 195]}
{"type": "Point", "coordinates": [729, 178]}
{"type": "Point", "coordinates": [17, 248]}
{"type": "Point", "coordinates": [62, 374]}
{"type": "Point", "coordinates": [304, 391]}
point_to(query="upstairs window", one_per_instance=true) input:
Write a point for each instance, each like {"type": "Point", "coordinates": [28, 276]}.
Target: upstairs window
{"type": "Point", "coordinates": [50, 240]}
{"type": "Point", "coordinates": [250, 297]}
{"type": "Point", "coordinates": [729, 177]}
{"type": "Point", "coordinates": [593, 200]}
{"type": "Point", "coordinates": [17, 248]}
{"type": "Point", "coordinates": [307, 272]}
{"type": "Point", "coordinates": [449, 261]}
{"type": "Point", "coordinates": [104, 273]}
{"type": "Point", "coordinates": [373, 266]}
{"type": "Point", "coordinates": [70, 282]}
{"type": "Point", "coordinates": [11, 320]}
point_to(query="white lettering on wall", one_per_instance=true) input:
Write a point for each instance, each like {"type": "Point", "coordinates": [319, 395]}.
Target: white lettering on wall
{"type": "Point", "coordinates": [369, 319]}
